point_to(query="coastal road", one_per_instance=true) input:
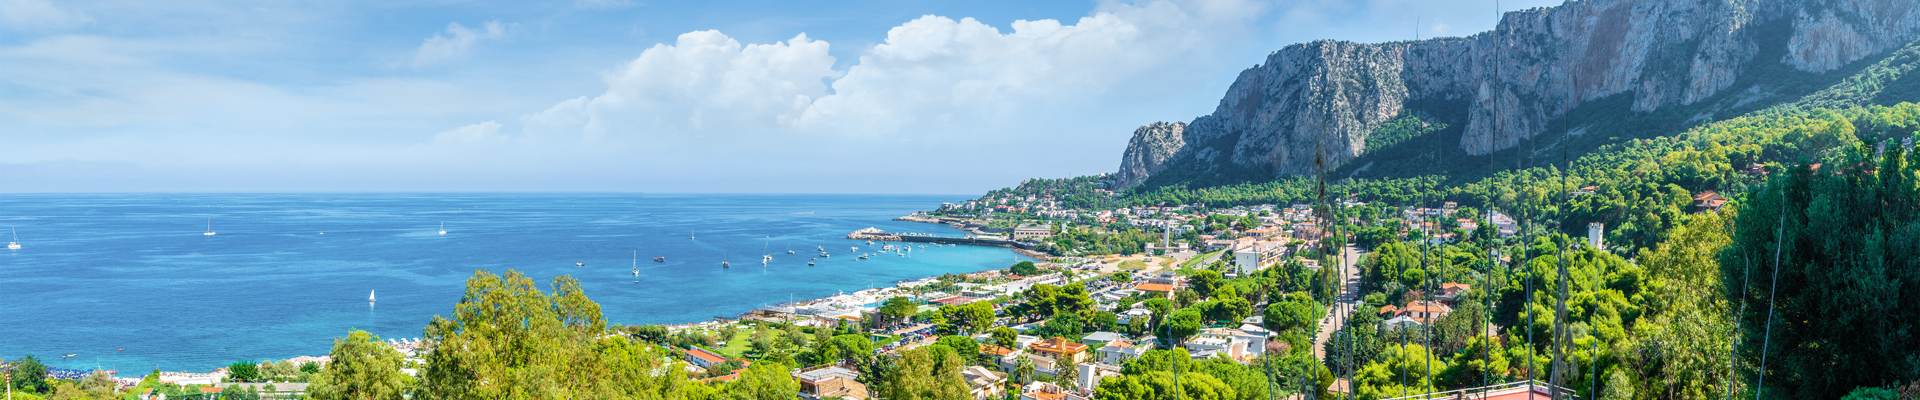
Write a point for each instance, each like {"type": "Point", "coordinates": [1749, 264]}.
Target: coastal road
{"type": "Point", "coordinates": [1337, 312]}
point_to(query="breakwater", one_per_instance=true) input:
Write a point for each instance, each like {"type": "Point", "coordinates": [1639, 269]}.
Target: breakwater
{"type": "Point", "coordinates": [877, 234]}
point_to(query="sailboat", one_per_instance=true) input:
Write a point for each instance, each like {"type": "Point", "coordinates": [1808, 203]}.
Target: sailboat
{"type": "Point", "coordinates": [15, 244]}
{"type": "Point", "coordinates": [443, 228]}
{"type": "Point", "coordinates": [690, 236]}
{"type": "Point", "coordinates": [369, 296]}
{"type": "Point", "coordinates": [636, 266]}
{"type": "Point", "coordinates": [209, 227]}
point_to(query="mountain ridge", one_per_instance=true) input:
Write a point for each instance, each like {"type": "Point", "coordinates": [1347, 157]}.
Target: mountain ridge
{"type": "Point", "coordinates": [1327, 98]}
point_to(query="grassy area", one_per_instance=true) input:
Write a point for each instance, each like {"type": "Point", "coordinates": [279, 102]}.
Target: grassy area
{"type": "Point", "coordinates": [1133, 265]}
{"type": "Point", "coordinates": [741, 341]}
{"type": "Point", "coordinates": [1196, 260]}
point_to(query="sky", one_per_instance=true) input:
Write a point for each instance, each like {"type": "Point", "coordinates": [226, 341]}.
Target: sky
{"type": "Point", "coordinates": [855, 96]}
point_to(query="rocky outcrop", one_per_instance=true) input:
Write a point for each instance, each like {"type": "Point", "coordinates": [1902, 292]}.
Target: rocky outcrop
{"type": "Point", "coordinates": [1148, 153]}
{"type": "Point", "coordinates": [1323, 98]}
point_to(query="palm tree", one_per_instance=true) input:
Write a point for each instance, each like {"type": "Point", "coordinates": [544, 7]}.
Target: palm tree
{"type": "Point", "coordinates": [1023, 370]}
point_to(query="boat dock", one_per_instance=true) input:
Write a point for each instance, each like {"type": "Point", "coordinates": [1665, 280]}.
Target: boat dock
{"type": "Point", "coordinates": [877, 234]}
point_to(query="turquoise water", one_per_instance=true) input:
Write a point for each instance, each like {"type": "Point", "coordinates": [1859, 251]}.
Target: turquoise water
{"type": "Point", "coordinates": [101, 273]}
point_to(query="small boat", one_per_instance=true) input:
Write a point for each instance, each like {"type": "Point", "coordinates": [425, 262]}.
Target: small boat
{"type": "Point", "coordinates": [659, 259]}
{"type": "Point", "coordinates": [636, 266]}
{"type": "Point", "coordinates": [869, 242]}
{"type": "Point", "coordinates": [15, 244]}
{"type": "Point", "coordinates": [579, 264]}
{"type": "Point", "coordinates": [443, 228]}
{"type": "Point", "coordinates": [690, 236]}
{"type": "Point", "coordinates": [809, 263]}
{"type": "Point", "coordinates": [369, 296]}
{"type": "Point", "coordinates": [789, 251]}
{"type": "Point", "coordinates": [723, 264]}
{"type": "Point", "coordinates": [69, 356]}
{"type": "Point", "coordinates": [209, 228]}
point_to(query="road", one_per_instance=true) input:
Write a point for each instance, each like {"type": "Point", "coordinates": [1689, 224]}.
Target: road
{"type": "Point", "coordinates": [1337, 312]}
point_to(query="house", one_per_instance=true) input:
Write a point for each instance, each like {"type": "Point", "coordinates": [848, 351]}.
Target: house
{"type": "Point", "coordinates": [1060, 348]}
{"type": "Point", "coordinates": [1235, 344]}
{"type": "Point", "coordinates": [1042, 365]}
{"type": "Point", "coordinates": [1708, 201]}
{"type": "Point", "coordinates": [702, 358]}
{"type": "Point", "coordinates": [1400, 322]}
{"type": "Point", "coordinates": [1157, 289]}
{"type": "Point", "coordinates": [983, 383]}
{"type": "Point", "coordinates": [831, 381]}
{"type": "Point", "coordinates": [1452, 290]}
{"type": "Point", "coordinates": [1031, 232]}
{"type": "Point", "coordinates": [1423, 311]}
{"type": "Point", "coordinates": [1089, 375]}
{"type": "Point", "coordinates": [1127, 317]}
{"type": "Point", "coordinates": [1039, 390]}
{"type": "Point", "coordinates": [1119, 352]}
{"type": "Point", "coordinates": [1098, 339]}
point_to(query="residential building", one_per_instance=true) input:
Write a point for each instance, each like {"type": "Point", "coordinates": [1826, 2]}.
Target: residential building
{"type": "Point", "coordinates": [1060, 348]}
{"type": "Point", "coordinates": [1033, 232]}
{"type": "Point", "coordinates": [1098, 339]}
{"type": "Point", "coordinates": [1089, 375]}
{"type": "Point", "coordinates": [1424, 311]}
{"type": "Point", "coordinates": [1042, 365]}
{"type": "Point", "coordinates": [702, 357]}
{"type": "Point", "coordinates": [1595, 233]}
{"type": "Point", "coordinates": [1119, 352]}
{"type": "Point", "coordinates": [1041, 390]}
{"type": "Point", "coordinates": [830, 382]}
{"type": "Point", "coordinates": [1452, 290]}
{"type": "Point", "coordinates": [1234, 344]}
{"type": "Point", "coordinates": [1708, 201]}
{"type": "Point", "coordinates": [984, 384]}
{"type": "Point", "coordinates": [1251, 256]}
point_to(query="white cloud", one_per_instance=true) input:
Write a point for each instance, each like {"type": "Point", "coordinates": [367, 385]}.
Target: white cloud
{"type": "Point", "coordinates": [456, 44]}
{"type": "Point", "coordinates": [932, 75]}
{"type": "Point", "coordinates": [484, 133]}
{"type": "Point", "coordinates": [704, 82]}
{"type": "Point", "coordinates": [40, 14]}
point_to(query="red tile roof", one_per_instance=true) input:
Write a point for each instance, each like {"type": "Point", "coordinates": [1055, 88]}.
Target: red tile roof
{"type": "Point", "coordinates": [1154, 287]}
{"type": "Point", "coordinates": [705, 355]}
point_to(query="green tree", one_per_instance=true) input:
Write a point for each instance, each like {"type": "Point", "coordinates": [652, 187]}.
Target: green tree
{"type": "Point", "coordinates": [1296, 314]}
{"type": "Point", "coordinates": [969, 318]}
{"type": "Point", "coordinates": [362, 368]}
{"type": "Point", "coordinates": [29, 374]}
{"type": "Point", "coordinates": [927, 373]}
{"type": "Point", "coordinates": [1204, 282]}
{"type": "Point", "coordinates": [243, 371]}
{"type": "Point", "coordinates": [967, 348]}
{"type": "Point", "coordinates": [1181, 325]}
{"type": "Point", "coordinates": [764, 380]}
{"type": "Point", "coordinates": [899, 308]}
{"type": "Point", "coordinates": [508, 339]}
{"type": "Point", "coordinates": [1004, 337]}
{"type": "Point", "coordinates": [1024, 268]}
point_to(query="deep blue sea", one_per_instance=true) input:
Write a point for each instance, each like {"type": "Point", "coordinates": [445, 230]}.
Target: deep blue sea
{"type": "Point", "coordinates": [128, 282]}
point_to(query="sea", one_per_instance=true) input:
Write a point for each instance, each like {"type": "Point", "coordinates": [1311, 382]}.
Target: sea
{"type": "Point", "coordinates": [131, 282]}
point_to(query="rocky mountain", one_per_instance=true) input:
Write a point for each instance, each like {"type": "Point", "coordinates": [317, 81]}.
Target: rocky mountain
{"type": "Point", "coordinates": [1328, 98]}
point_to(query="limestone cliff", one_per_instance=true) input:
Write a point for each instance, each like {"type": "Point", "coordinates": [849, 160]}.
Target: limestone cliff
{"type": "Point", "coordinates": [1326, 97]}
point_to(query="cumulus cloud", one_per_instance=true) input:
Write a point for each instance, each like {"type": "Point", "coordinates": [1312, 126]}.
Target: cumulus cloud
{"type": "Point", "coordinates": [456, 43]}
{"type": "Point", "coordinates": [929, 73]}
{"type": "Point", "coordinates": [704, 82]}
{"type": "Point", "coordinates": [40, 14]}
{"type": "Point", "coordinates": [484, 133]}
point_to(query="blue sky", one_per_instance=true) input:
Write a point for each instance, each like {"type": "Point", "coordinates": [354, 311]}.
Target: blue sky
{"type": "Point", "coordinates": [628, 95]}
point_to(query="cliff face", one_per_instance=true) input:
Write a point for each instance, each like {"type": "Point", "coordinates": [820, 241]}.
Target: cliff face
{"type": "Point", "coordinates": [1325, 97]}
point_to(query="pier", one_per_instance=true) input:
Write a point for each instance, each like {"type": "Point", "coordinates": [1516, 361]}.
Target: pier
{"type": "Point", "coordinates": [877, 234]}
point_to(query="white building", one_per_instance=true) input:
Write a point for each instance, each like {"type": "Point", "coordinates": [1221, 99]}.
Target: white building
{"type": "Point", "coordinates": [1253, 255]}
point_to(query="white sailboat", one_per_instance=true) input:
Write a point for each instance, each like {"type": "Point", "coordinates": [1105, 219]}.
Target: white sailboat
{"type": "Point", "coordinates": [636, 266]}
{"type": "Point", "coordinates": [369, 296]}
{"type": "Point", "coordinates": [443, 228]}
{"type": "Point", "coordinates": [15, 244]}
{"type": "Point", "coordinates": [209, 231]}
